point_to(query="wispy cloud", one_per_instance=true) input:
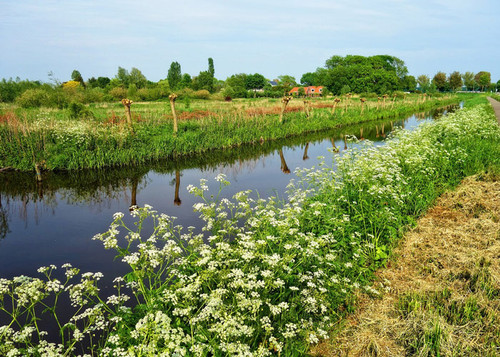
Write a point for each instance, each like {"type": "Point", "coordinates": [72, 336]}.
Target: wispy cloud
{"type": "Point", "coordinates": [274, 37]}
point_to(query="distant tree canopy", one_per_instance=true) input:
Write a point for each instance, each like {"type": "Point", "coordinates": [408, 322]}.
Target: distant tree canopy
{"type": "Point", "coordinates": [255, 81]}
{"type": "Point", "coordinates": [468, 80]}
{"type": "Point", "coordinates": [379, 74]}
{"type": "Point", "coordinates": [440, 81]}
{"type": "Point", "coordinates": [455, 80]}
{"type": "Point", "coordinates": [77, 77]}
{"type": "Point", "coordinates": [483, 79]}
{"type": "Point", "coordinates": [174, 75]}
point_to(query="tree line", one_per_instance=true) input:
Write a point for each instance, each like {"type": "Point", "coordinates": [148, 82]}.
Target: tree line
{"type": "Point", "coordinates": [352, 73]}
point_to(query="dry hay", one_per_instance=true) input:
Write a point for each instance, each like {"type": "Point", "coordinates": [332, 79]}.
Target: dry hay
{"type": "Point", "coordinates": [455, 250]}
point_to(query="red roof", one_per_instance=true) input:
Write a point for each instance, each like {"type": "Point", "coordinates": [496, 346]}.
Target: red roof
{"type": "Point", "coordinates": [308, 90]}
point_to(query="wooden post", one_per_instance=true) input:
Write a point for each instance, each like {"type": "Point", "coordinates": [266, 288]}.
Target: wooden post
{"type": "Point", "coordinates": [307, 107]}
{"type": "Point", "coordinates": [284, 103]}
{"type": "Point", "coordinates": [127, 103]}
{"type": "Point", "coordinates": [393, 100]}
{"type": "Point", "coordinates": [385, 97]}
{"type": "Point", "coordinates": [378, 102]}
{"type": "Point", "coordinates": [335, 102]}
{"type": "Point", "coordinates": [362, 100]}
{"type": "Point", "coordinates": [172, 97]}
{"type": "Point", "coordinates": [347, 101]}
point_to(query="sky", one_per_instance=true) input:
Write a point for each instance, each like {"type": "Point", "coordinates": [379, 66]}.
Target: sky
{"type": "Point", "coordinates": [271, 37]}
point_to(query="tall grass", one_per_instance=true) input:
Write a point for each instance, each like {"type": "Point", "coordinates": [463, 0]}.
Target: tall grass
{"type": "Point", "coordinates": [266, 276]}
{"type": "Point", "coordinates": [102, 139]}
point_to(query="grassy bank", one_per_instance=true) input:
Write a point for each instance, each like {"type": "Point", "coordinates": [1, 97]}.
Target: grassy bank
{"type": "Point", "coordinates": [441, 292]}
{"type": "Point", "coordinates": [98, 136]}
{"type": "Point", "coordinates": [268, 276]}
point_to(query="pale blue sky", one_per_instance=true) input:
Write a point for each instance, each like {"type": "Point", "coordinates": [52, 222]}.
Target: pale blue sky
{"type": "Point", "coordinates": [269, 37]}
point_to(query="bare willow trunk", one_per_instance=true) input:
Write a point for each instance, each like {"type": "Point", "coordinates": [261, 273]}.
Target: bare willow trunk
{"type": "Point", "coordinates": [307, 108]}
{"type": "Point", "coordinates": [127, 103]}
{"type": "Point", "coordinates": [172, 97]}
{"type": "Point", "coordinates": [284, 166]}
{"type": "Point", "coordinates": [334, 147]}
{"type": "Point", "coordinates": [133, 199]}
{"type": "Point", "coordinates": [177, 200]}
{"type": "Point", "coordinates": [284, 103]}
{"type": "Point", "coordinates": [335, 102]}
{"type": "Point", "coordinates": [38, 173]}
{"type": "Point", "coordinates": [305, 157]}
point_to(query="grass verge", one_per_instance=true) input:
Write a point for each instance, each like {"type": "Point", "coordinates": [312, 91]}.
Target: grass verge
{"type": "Point", "coordinates": [441, 289]}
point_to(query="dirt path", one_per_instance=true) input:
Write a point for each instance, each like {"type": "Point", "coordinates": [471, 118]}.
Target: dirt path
{"type": "Point", "coordinates": [496, 107]}
{"type": "Point", "coordinates": [441, 291]}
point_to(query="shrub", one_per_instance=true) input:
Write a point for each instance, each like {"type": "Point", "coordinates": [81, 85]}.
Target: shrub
{"type": "Point", "coordinates": [93, 95]}
{"type": "Point", "coordinates": [184, 92]}
{"type": "Point", "coordinates": [118, 93]}
{"type": "Point", "coordinates": [150, 94]}
{"type": "Point", "coordinates": [78, 110]}
{"type": "Point", "coordinates": [201, 94]}
{"type": "Point", "coordinates": [33, 98]}
{"type": "Point", "coordinates": [71, 85]}
{"type": "Point", "coordinates": [399, 94]}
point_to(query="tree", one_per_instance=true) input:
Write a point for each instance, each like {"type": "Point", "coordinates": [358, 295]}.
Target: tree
{"type": "Point", "coordinates": [211, 68]}
{"type": "Point", "coordinates": [286, 82]}
{"type": "Point", "coordinates": [211, 72]}
{"type": "Point", "coordinates": [77, 77]}
{"type": "Point", "coordinates": [483, 79]}
{"type": "Point", "coordinates": [309, 79]}
{"type": "Point", "coordinates": [174, 75]}
{"type": "Point", "coordinates": [186, 81]}
{"type": "Point", "coordinates": [236, 86]}
{"type": "Point", "coordinates": [455, 81]}
{"type": "Point", "coordinates": [409, 83]}
{"type": "Point", "coordinates": [255, 81]}
{"type": "Point", "coordinates": [123, 77]}
{"type": "Point", "coordinates": [468, 80]}
{"type": "Point", "coordinates": [498, 86]}
{"type": "Point", "coordinates": [440, 81]}
{"type": "Point", "coordinates": [423, 82]}
{"type": "Point", "coordinates": [380, 73]}
{"type": "Point", "coordinates": [136, 77]}
{"type": "Point", "coordinates": [203, 81]}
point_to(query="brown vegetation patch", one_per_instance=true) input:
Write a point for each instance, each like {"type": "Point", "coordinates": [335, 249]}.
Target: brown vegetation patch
{"type": "Point", "coordinates": [114, 119]}
{"type": "Point", "coordinates": [8, 118]}
{"type": "Point", "coordinates": [442, 289]}
{"type": "Point", "coordinates": [194, 115]}
{"type": "Point", "coordinates": [322, 105]}
{"type": "Point", "coordinates": [259, 111]}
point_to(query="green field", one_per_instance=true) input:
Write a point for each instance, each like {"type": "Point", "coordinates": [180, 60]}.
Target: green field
{"type": "Point", "coordinates": [97, 135]}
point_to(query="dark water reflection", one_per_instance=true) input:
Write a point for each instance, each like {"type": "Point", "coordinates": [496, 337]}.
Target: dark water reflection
{"type": "Point", "coordinates": [53, 221]}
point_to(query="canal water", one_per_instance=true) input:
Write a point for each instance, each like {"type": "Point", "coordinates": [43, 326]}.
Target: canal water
{"type": "Point", "coordinates": [52, 222]}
